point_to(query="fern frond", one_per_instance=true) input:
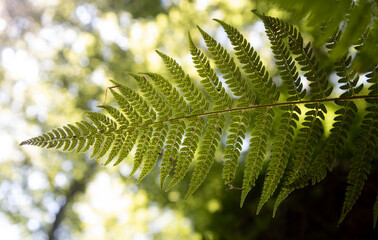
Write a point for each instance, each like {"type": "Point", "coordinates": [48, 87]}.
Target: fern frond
{"type": "Point", "coordinates": [127, 109]}
{"type": "Point", "coordinates": [310, 64]}
{"type": "Point", "coordinates": [128, 138]}
{"type": "Point", "coordinates": [283, 194]}
{"type": "Point", "coordinates": [283, 141]}
{"type": "Point", "coordinates": [106, 126]}
{"type": "Point", "coordinates": [137, 111]}
{"type": "Point", "coordinates": [159, 130]}
{"type": "Point", "coordinates": [252, 65]}
{"type": "Point", "coordinates": [172, 147]}
{"type": "Point", "coordinates": [134, 100]}
{"type": "Point", "coordinates": [154, 149]}
{"type": "Point", "coordinates": [84, 143]}
{"type": "Point", "coordinates": [119, 138]}
{"type": "Point", "coordinates": [53, 139]}
{"type": "Point", "coordinates": [312, 128]}
{"type": "Point", "coordinates": [257, 149]}
{"type": "Point", "coordinates": [180, 120]}
{"type": "Point", "coordinates": [307, 138]}
{"type": "Point", "coordinates": [192, 94]}
{"type": "Point", "coordinates": [282, 145]}
{"type": "Point", "coordinates": [171, 94]}
{"type": "Point", "coordinates": [176, 128]}
{"type": "Point", "coordinates": [285, 64]}
{"type": "Point", "coordinates": [92, 130]}
{"type": "Point", "coordinates": [227, 66]}
{"type": "Point", "coordinates": [117, 115]}
{"type": "Point", "coordinates": [206, 153]}
{"type": "Point", "coordinates": [232, 151]}
{"type": "Point", "coordinates": [239, 88]}
{"type": "Point", "coordinates": [342, 122]}
{"type": "Point", "coordinates": [189, 146]}
{"type": "Point", "coordinates": [99, 140]}
{"type": "Point", "coordinates": [142, 146]}
{"type": "Point", "coordinates": [305, 144]}
{"type": "Point", "coordinates": [210, 80]}
{"type": "Point", "coordinates": [216, 124]}
{"type": "Point", "coordinates": [153, 98]}
{"type": "Point", "coordinates": [366, 147]}
{"type": "Point", "coordinates": [101, 121]}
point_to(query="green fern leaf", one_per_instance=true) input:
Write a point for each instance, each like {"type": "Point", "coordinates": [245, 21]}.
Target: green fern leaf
{"type": "Point", "coordinates": [97, 145]}
{"type": "Point", "coordinates": [154, 149]}
{"type": "Point", "coordinates": [189, 146]}
{"type": "Point", "coordinates": [316, 76]}
{"type": "Point", "coordinates": [210, 80]}
{"type": "Point", "coordinates": [233, 148]}
{"type": "Point", "coordinates": [192, 94]}
{"type": "Point", "coordinates": [253, 66]}
{"type": "Point", "coordinates": [366, 147]}
{"type": "Point", "coordinates": [283, 142]}
{"type": "Point", "coordinates": [206, 153]}
{"type": "Point", "coordinates": [280, 154]}
{"type": "Point", "coordinates": [176, 129]}
{"type": "Point", "coordinates": [283, 194]}
{"type": "Point", "coordinates": [137, 103]}
{"type": "Point", "coordinates": [178, 121]}
{"type": "Point", "coordinates": [116, 147]}
{"type": "Point", "coordinates": [342, 122]}
{"type": "Point", "coordinates": [130, 137]}
{"type": "Point", "coordinates": [171, 94]}
{"type": "Point", "coordinates": [117, 115]}
{"type": "Point", "coordinates": [227, 66]}
{"type": "Point", "coordinates": [239, 88]}
{"type": "Point", "coordinates": [172, 147]}
{"type": "Point", "coordinates": [91, 131]}
{"type": "Point", "coordinates": [257, 149]}
{"type": "Point", "coordinates": [159, 130]}
{"type": "Point", "coordinates": [153, 98]}
{"type": "Point", "coordinates": [142, 146]}
{"type": "Point", "coordinates": [133, 117]}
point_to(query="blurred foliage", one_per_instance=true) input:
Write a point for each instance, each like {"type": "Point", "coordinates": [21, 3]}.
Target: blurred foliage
{"type": "Point", "coordinates": [56, 60]}
{"type": "Point", "coordinates": [322, 18]}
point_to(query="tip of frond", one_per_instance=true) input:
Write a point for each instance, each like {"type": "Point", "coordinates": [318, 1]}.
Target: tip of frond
{"type": "Point", "coordinates": [23, 143]}
{"type": "Point", "coordinates": [242, 200]}
{"type": "Point", "coordinates": [190, 38]}
{"type": "Point", "coordinates": [274, 212]}
{"type": "Point", "coordinates": [141, 177]}
{"type": "Point", "coordinates": [259, 206]}
{"type": "Point", "coordinates": [170, 185]}
{"type": "Point", "coordinates": [135, 76]}
{"type": "Point", "coordinates": [201, 30]}
{"type": "Point", "coordinates": [342, 217]}
{"type": "Point", "coordinates": [254, 11]}
{"type": "Point", "coordinates": [244, 194]}
{"type": "Point", "coordinates": [132, 173]}
{"type": "Point", "coordinates": [188, 195]}
{"type": "Point", "coordinates": [161, 185]}
{"type": "Point", "coordinates": [160, 53]}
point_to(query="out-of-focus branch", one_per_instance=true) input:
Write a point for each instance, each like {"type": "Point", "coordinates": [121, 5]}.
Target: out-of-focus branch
{"type": "Point", "coordinates": [77, 187]}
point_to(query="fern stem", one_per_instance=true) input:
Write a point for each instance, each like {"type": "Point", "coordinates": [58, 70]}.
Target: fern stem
{"type": "Point", "coordinates": [239, 109]}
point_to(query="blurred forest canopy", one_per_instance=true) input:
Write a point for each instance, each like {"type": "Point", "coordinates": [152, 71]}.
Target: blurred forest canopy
{"type": "Point", "coordinates": [57, 58]}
